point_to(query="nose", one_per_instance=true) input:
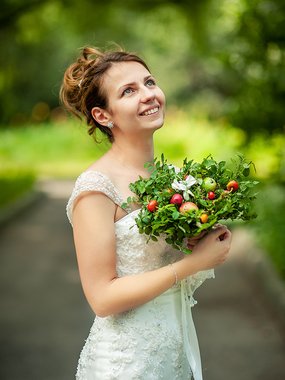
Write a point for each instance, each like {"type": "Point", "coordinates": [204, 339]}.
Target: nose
{"type": "Point", "coordinates": [147, 94]}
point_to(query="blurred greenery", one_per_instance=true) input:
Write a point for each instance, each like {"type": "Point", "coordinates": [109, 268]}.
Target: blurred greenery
{"type": "Point", "coordinates": [14, 184]}
{"type": "Point", "coordinates": [64, 149]}
{"type": "Point", "coordinates": [269, 227]}
{"type": "Point", "coordinates": [220, 63]}
{"type": "Point", "coordinates": [227, 57]}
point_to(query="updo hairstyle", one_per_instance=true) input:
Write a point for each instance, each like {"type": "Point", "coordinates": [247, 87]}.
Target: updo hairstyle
{"type": "Point", "coordinates": [82, 87]}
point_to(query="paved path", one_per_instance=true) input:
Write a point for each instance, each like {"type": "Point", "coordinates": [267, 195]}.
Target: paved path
{"type": "Point", "coordinates": [44, 318]}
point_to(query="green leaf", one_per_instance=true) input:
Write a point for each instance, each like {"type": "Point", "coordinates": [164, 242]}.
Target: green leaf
{"type": "Point", "coordinates": [168, 221]}
{"type": "Point", "coordinates": [175, 214]}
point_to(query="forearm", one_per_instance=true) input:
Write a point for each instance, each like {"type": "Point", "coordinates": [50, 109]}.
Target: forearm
{"type": "Point", "coordinates": [128, 292]}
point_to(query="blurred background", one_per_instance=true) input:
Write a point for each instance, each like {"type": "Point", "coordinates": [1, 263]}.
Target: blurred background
{"type": "Point", "coordinates": [220, 63]}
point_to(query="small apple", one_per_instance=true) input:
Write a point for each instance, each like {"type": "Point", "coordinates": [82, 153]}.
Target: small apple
{"type": "Point", "coordinates": [209, 184]}
{"type": "Point", "coordinates": [204, 218]}
{"type": "Point", "coordinates": [152, 205]}
{"type": "Point", "coordinates": [176, 199]}
{"type": "Point", "coordinates": [187, 207]}
{"type": "Point", "coordinates": [232, 186]}
{"type": "Point", "coordinates": [211, 195]}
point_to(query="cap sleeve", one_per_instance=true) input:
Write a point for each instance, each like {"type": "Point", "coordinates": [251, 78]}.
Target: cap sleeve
{"type": "Point", "coordinates": [92, 181]}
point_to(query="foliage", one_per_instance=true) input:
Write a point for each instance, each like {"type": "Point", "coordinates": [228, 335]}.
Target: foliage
{"type": "Point", "coordinates": [227, 57]}
{"type": "Point", "coordinates": [269, 226]}
{"type": "Point", "coordinates": [159, 215]}
{"type": "Point", "coordinates": [197, 137]}
{"type": "Point", "coordinates": [13, 184]}
{"type": "Point", "coordinates": [64, 149]}
{"type": "Point", "coordinates": [49, 150]}
{"type": "Point", "coordinates": [255, 61]}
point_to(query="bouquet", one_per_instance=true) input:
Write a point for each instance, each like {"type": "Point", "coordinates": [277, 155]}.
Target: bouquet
{"type": "Point", "coordinates": [180, 203]}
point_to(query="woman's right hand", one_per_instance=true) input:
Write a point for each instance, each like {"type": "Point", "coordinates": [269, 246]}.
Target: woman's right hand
{"type": "Point", "coordinates": [212, 250]}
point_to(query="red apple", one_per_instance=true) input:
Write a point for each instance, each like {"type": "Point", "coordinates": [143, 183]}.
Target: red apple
{"type": "Point", "coordinates": [176, 199]}
{"type": "Point", "coordinates": [232, 186]}
{"type": "Point", "coordinates": [211, 195]}
{"type": "Point", "coordinates": [152, 205]}
{"type": "Point", "coordinates": [187, 207]}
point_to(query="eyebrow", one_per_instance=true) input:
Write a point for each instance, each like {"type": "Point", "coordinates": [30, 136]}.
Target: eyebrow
{"type": "Point", "coordinates": [132, 83]}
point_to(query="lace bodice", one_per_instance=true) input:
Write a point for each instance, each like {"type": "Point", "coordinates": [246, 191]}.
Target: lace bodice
{"type": "Point", "coordinates": [151, 322]}
{"type": "Point", "coordinates": [135, 252]}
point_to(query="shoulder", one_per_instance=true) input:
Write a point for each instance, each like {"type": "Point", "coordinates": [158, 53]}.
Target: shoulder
{"type": "Point", "coordinates": [92, 181]}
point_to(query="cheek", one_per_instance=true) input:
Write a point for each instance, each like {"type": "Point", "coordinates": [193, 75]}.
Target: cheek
{"type": "Point", "coordinates": [161, 96]}
{"type": "Point", "coordinates": [123, 112]}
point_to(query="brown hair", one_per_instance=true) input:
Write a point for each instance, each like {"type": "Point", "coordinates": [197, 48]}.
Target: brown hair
{"type": "Point", "coordinates": [82, 88]}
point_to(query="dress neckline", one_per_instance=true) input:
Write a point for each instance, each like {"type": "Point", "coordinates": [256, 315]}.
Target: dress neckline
{"type": "Point", "coordinates": [128, 214]}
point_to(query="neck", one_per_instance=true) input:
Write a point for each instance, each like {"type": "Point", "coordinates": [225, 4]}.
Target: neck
{"type": "Point", "coordinates": [133, 154]}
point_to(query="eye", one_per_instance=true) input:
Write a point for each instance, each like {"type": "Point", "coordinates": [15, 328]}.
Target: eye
{"type": "Point", "coordinates": [150, 82]}
{"type": "Point", "coordinates": [127, 91]}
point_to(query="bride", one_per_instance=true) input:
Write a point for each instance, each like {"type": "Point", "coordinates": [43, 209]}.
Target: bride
{"type": "Point", "coordinates": [141, 292]}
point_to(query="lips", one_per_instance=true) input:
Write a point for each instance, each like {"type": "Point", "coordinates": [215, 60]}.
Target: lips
{"type": "Point", "coordinates": [150, 111]}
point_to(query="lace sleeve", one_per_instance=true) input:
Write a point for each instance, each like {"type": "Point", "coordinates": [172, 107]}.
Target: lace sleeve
{"type": "Point", "coordinates": [197, 279]}
{"type": "Point", "coordinates": [92, 181]}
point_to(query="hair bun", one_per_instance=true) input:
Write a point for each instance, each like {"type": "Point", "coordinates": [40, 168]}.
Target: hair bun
{"type": "Point", "coordinates": [82, 89]}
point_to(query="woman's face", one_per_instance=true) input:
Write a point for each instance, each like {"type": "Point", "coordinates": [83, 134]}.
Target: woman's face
{"type": "Point", "coordinates": [135, 102]}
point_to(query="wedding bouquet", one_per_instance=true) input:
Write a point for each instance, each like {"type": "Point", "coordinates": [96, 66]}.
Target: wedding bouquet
{"type": "Point", "coordinates": [180, 203]}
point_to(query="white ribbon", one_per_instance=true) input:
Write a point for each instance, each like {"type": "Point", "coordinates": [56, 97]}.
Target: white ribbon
{"type": "Point", "coordinates": [190, 340]}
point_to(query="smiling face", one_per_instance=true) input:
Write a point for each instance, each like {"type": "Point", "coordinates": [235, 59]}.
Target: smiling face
{"type": "Point", "coordinates": [135, 102]}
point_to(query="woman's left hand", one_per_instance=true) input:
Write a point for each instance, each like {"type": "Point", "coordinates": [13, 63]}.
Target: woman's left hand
{"type": "Point", "coordinates": [191, 242]}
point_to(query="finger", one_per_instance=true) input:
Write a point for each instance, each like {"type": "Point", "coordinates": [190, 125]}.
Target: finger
{"type": "Point", "coordinates": [220, 231]}
{"type": "Point", "coordinates": [227, 235]}
{"type": "Point", "coordinates": [218, 225]}
{"type": "Point", "coordinates": [193, 239]}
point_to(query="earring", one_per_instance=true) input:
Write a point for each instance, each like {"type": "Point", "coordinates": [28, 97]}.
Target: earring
{"type": "Point", "coordinates": [110, 125]}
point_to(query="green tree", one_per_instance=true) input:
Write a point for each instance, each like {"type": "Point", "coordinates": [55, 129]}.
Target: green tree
{"type": "Point", "coordinates": [228, 56]}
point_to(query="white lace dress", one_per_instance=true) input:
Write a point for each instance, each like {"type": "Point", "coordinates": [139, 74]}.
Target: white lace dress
{"type": "Point", "coordinates": [156, 340]}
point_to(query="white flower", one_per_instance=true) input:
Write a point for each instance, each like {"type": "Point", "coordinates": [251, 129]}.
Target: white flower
{"type": "Point", "coordinates": [176, 169]}
{"type": "Point", "coordinates": [184, 186]}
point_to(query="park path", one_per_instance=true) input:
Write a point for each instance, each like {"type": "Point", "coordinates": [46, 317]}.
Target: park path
{"type": "Point", "coordinates": [44, 318]}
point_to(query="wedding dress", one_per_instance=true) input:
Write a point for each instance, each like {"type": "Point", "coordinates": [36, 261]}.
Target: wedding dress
{"type": "Point", "coordinates": [156, 340]}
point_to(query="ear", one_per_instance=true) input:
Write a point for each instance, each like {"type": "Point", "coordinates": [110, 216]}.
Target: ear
{"type": "Point", "coordinates": [101, 116]}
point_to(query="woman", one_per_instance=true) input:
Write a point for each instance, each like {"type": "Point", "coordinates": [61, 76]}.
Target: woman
{"type": "Point", "coordinates": [140, 292]}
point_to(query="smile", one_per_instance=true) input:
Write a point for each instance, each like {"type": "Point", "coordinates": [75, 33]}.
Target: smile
{"type": "Point", "coordinates": [150, 112]}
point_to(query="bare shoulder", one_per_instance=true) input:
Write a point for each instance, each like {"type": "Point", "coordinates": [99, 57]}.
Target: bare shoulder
{"type": "Point", "coordinates": [94, 215]}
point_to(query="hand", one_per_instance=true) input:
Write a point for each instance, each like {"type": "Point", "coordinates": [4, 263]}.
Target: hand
{"type": "Point", "coordinates": [191, 242]}
{"type": "Point", "coordinates": [213, 249]}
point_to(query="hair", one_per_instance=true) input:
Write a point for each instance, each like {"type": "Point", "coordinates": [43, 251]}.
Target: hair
{"type": "Point", "coordinates": [82, 86]}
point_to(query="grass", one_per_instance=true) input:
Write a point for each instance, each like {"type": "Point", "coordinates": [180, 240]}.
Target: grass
{"type": "Point", "coordinates": [48, 150]}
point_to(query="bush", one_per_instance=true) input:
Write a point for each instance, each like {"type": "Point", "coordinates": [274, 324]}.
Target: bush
{"type": "Point", "coordinates": [13, 184]}
{"type": "Point", "coordinates": [269, 227]}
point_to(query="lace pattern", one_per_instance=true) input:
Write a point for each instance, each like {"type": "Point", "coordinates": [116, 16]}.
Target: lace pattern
{"type": "Point", "coordinates": [92, 180]}
{"type": "Point", "coordinates": [147, 343]}
{"type": "Point", "coordinates": [144, 342]}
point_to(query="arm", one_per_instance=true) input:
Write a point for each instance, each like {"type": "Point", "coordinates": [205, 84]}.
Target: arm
{"type": "Point", "coordinates": [94, 236]}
